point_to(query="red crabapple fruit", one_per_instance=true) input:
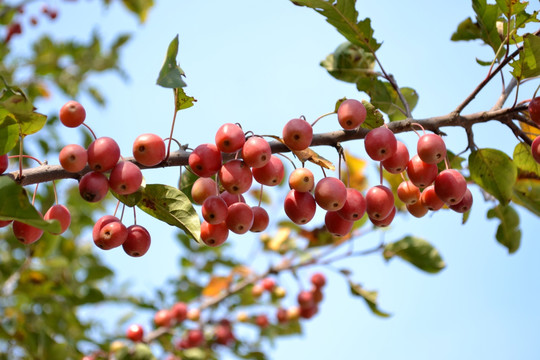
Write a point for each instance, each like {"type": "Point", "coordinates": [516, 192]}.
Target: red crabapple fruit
{"type": "Point", "coordinates": [430, 199]}
{"type": "Point", "coordinates": [380, 143]}
{"type": "Point", "coordinates": [202, 189]}
{"type": "Point", "coordinates": [421, 173]}
{"type": "Point", "coordinates": [61, 213]}
{"type": "Point", "coordinates": [465, 204]}
{"type": "Point", "coordinates": [205, 160]}
{"type": "Point", "coordinates": [149, 149]}
{"type": "Point", "coordinates": [239, 218]}
{"type": "Point", "coordinates": [235, 176]}
{"type": "Point", "coordinates": [386, 221]}
{"type": "Point", "coordinates": [256, 152]}
{"type": "Point", "coordinates": [417, 209]}
{"type": "Point", "coordinates": [431, 148]}
{"type": "Point", "coordinates": [163, 318]}
{"type": "Point", "coordinates": [137, 242]}
{"type": "Point", "coordinates": [73, 158]}
{"type": "Point", "coordinates": [299, 206]}
{"type": "Point", "coordinates": [72, 114]}
{"type": "Point", "coordinates": [301, 179]}
{"type": "Point", "coordinates": [4, 163]}
{"type": "Point", "coordinates": [297, 134]}
{"type": "Point", "coordinates": [330, 193]}
{"type": "Point", "coordinates": [214, 209]}
{"type": "Point", "coordinates": [26, 234]}
{"type": "Point", "coordinates": [260, 219]}
{"type": "Point", "coordinates": [103, 154]}
{"type": "Point", "coordinates": [111, 235]}
{"type": "Point", "coordinates": [230, 138]}
{"type": "Point", "coordinates": [93, 186]}
{"type": "Point", "coordinates": [408, 192]}
{"type": "Point", "coordinates": [351, 114]}
{"type": "Point", "coordinates": [397, 163]}
{"type": "Point", "coordinates": [450, 186]}
{"type": "Point", "coordinates": [379, 202]}
{"type": "Point", "coordinates": [270, 174]}
{"type": "Point", "coordinates": [534, 110]}
{"type": "Point", "coordinates": [125, 178]}
{"type": "Point", "coordinates": [354, 207]}
{"type": "Point", "coordinates": [318, 280]}
{"type": "Point", "coordinates": [336, 225]}
{"type": "Point", "coordinates": [214, 234]}
{"type": "Point", "coordinates": [535, 148]}
{"type": "Point", "coordinates": [232, 198]}
{"type": "Point", "coordinates": [135, 333]}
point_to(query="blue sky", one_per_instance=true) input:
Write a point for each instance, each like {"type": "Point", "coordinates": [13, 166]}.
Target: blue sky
{"type": "Point", "coordinates": [257, 63]}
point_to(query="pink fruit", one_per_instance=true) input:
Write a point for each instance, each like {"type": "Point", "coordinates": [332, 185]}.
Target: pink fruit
{"type": "Point", "coordinates": [93, 186]}
{"type": "Point", "coordinates": [205, 160]}
{"type": "Point", "coordinates": [386, 221]}
{"type": "Point", "coordinates": [297, 134]}
{"type": "Point", "coordinates": [135, 333]}
{"type": "Point", "coordinates": [379, 202]}
{"type": "Point", "coordinates": [73, 158]}
{"type": "Point", "coordinates": [202, 189]}
{"type": "Point", "coordinates": [408, 192]}
{"type": "Point", "coordinates": [260, 219]}
{"type": "Point", "coordinates": [61, 213]}
{"type": "Point", "coordinates": [125, 178]}
{"type": "Point", "coordinates": [465, 204]}
{"type": "Point", "coordinates": [351, 114]}
{"type": "Point", "coordinates": [235, 176]}
{"type": "Point", "coordinates": [421, 173]}
{"type": "Point", "coordinates": [26, 234]}
{"type": "Point", "coordinates": [256, 152]}
{"type": "Point", "coordinates": [230, 138]}
{"type": "Point", "coordinates": [239, 218]}
{"type": "Point", "coordinates": [4, 163]}
{"type": "Point", "coordinates": [214, 234]}
{"type": "Point", "coordinates": [111, 235]}
{"type": "Point", "coordinates": [431, 148]}
{"type": "Point", "coordinates": [330, 193]}
{"type": "Point", "coordinates": [300, 207]}
{"type": "Point", "coordinates": [301, 179]}
{"type": "Point", "coordinates": [103, 153]}
{"type": "Point", "coordinates": [380, 143]}
{"type": "Point", "coordinates": [72, 114]}
{"type": "Point", "coordinates": [430, 199]}
{"type": "Point", "coordinates": [270, 174]}
{"type": "Point", "coordinates": [214, 210]}
{"type": "Point", "coordinates": [149, 149]}
{"type": "Point", "coordinates": [397, 163]}
{"type": "Point", "coordinates": [354, 207]}
{"type": "Point", "coordinates": [337, 225]}
{"type": "Point", "coordinates": [450, 186]}
{"type": "Point", "coordinates": [137, 242]}
{"type": "Point", "coordinates": [535, 146]}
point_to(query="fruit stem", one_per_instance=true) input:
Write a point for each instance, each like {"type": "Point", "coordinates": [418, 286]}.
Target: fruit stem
{"type": "Point", "coordinates": [260, 196]}
{"type": "Point", "coordinates": [116, 208]}
{"type": "Point", "coordinates": [420, 126]}
{"type": "Point", "coordinates": [134, 216]}
{"type": "Point", "coordinates": [55, 192]}
{"type": "Point", "coordinates": [123, 208]}
{"type": "Point", "coordinates": [35, 193]}
{"type": "Point", "coordinates": [288, 158]}
{"type": "Point", "coordinates": [172, 129]}
{"type": "Point", "coordinates": [90, 129]}
{"type": "Point", "coordinates": [380, 172]}
{"type": "Point", "coordinates": [446, 162]}
{"type": "Point", "coordinates": [320, 117]}
{"type": "Point", "coordinates": [25, 156]}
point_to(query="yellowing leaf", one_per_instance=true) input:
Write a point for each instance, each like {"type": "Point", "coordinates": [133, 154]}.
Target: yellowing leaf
{"type": "Point", "coordinates": [531, 132]}
{"type": "Point", "coordinates": [216, 285]}
{"type": "Point", "coordinates": [312, 156]}
{"type": "Point", "coordinates": [242, 270]}
{"type": "Point", "coordinates": [356, 167]}
{"type": "Point", "coordinates": [275, 243]}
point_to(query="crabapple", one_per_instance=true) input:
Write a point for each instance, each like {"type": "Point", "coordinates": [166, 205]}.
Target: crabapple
{"type": "Point", "coordinates": [379, 202]}
{"type": "Point", "coordinates": [214, 210]}
{"type": "Point", "coordinates": [214, 234]}
{"type": "Point", "coordinates": [354, 207]}
{"type": "Point", "coordinates": [351, 114]}
{"type": "Point", "coordinates": [260, 219]}
{"type": "Point", "coordinates": [135, 333]}
{"type": "Point", "coordinates": [4, 163]}
{"type": "Point", "coordinates": [137, 242]}
{"type": "Point", "coordinates": [380, 143]}
{"type": "Point", "coordinates": [232, 198]}
{"type": "Point", "coordinates": [386, 221]}
{"type": "Point", "coordinates": [421, 173]}
{"type": "Point", "coordinates": [431, 148]}
{"type": "Point", "coordinates": [230, 138]}
{"type": "Point", "coordinates": [194, 314]}
{"type": "Point", "coordinates": [179, 311]}
{"type": "Point", "coordinates": [299, 206]}
{"type": "Point", "coordinates": [72, 114]}
{"type": "Point", "coordinates": [450, 186]}
{"type": "Point", "coordinates": [465, 204]}
{"type": "Point", "coordinates": [297, 134]}
{"type": "Point", "coordinates": [61, 213]}
{"type": "Point", "coordinates": [149, 149]}
{"type": "Point", "coordinates": [337, 225]}
{"type": "Point", "coordinates": [535, 147]}
{"type": "Point", "coordinates": [111, 235]}
{"type": "Point", "coordinates": [417, 209]}
{"type": "Point", "coordinates": [270, 174]}
{"type": "Point", "coordinates": [26, 234]}
{"type": "Point", "coordinates": [235, 176]}
{"type": "Point", "coordinates": [293, 313]}
{"type": "Point", "coordinates": [397, 163]}
{"type": "Point", "coordinates": [305, 299]}
{"type": "Point", "coordinates": [268, 284]}
{"type": "Point", "coordinates": [205, 160]}
{"type": "Point", "coordinates": [73, 158]}
{"type": "Point", "coordinates": [103, 154]}
{"type": "Point", "coordinates": [262, 321]}
{"type": "Point", "coordinates": [163, 318]}
{"type": "Point", "coordinates": [408, 192]}
{"type": "Point", "coordinates": [309, 312]}
{"type": "Point", "coordinates": [4, 223]}
{"type": "Point", "coordinates": [256, 152]}
{"type": "Point", "coordinates": [93, 186]}
{"type": "Point", "coordinates": [239, 218]}
{"type": "Point", "coordinates": [202, 189]}
{"type": "Point", "coordinates": [301, 179]}
{"type": "Point", "coordinates": [330, 193]}
{"type": "Point", "coordinates": [257, 290]}
{"type": "Point", "coordinates": [534, 110]}
{"type": "Point", "coordinates": [429, 199]}
{"type": "Point", "coordinates": [318, 280]}
{"type": "Point", "coordinates": [195, 337]}
{"type": "Point", "coordinates": [281, 315]}
{"type": "Point", "coordinates": [125, 178]}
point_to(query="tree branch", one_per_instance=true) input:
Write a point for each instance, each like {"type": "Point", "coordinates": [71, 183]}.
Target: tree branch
{"type": "Point", "coordinates": [180, 158]}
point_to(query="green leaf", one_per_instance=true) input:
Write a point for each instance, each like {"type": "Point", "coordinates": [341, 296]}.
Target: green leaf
{"type": "Point", "coordinates": [416, 251]}
{"type": "Point", "coordinates": [185, 184]}
{"type": "Point", "coordinates": [170, 75]}
{"type": "Point", "coordinates": [411, 97]}
{"type": "Point", "coordinates": [172, 206]}
{"type": "Point", "coordinates": [374, 118]}
{"type": "Point", "coordinates": [139, 7]}
{"type": "Point", "coordinates": [16, 205]}
{"type": "Point", "coordinates": [524, 160]}
{"type": "Point", "coordinates": [385, 97]}
{"type": "Point", "coordinates": [370, 298]}
{"type": "Point", "coordinates": [15, 104]}
{"type": "Point", "coordinates": [181, 100]}
{"type": "Point", "coordinates": [527, 65]}
{"type": "Point", "coordinates": [343, 16]}
{"type": "Point", "coordinates": [9, 131]}
{"type": "Point", "coordinates": [527, 194]}
{"type": "Point", "coordinates": [133, 199]}
{"type": "Point", "coordinates": [350, 63]}
{"type": "Point", "coordinates": [494, 172]}
{"type": "Point", "coordinates": [487, 16]}
{"type": "Point", "coordinates": [508, 233]}
{"type": "Point", "coordinates": [467, 30]}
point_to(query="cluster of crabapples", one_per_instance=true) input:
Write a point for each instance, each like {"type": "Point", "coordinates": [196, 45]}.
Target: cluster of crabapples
{"type": "Point", "coordinates": [221, 331]}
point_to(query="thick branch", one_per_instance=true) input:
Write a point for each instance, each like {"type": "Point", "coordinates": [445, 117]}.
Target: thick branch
{"type": "Point", "coordinates": [180, 158]}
